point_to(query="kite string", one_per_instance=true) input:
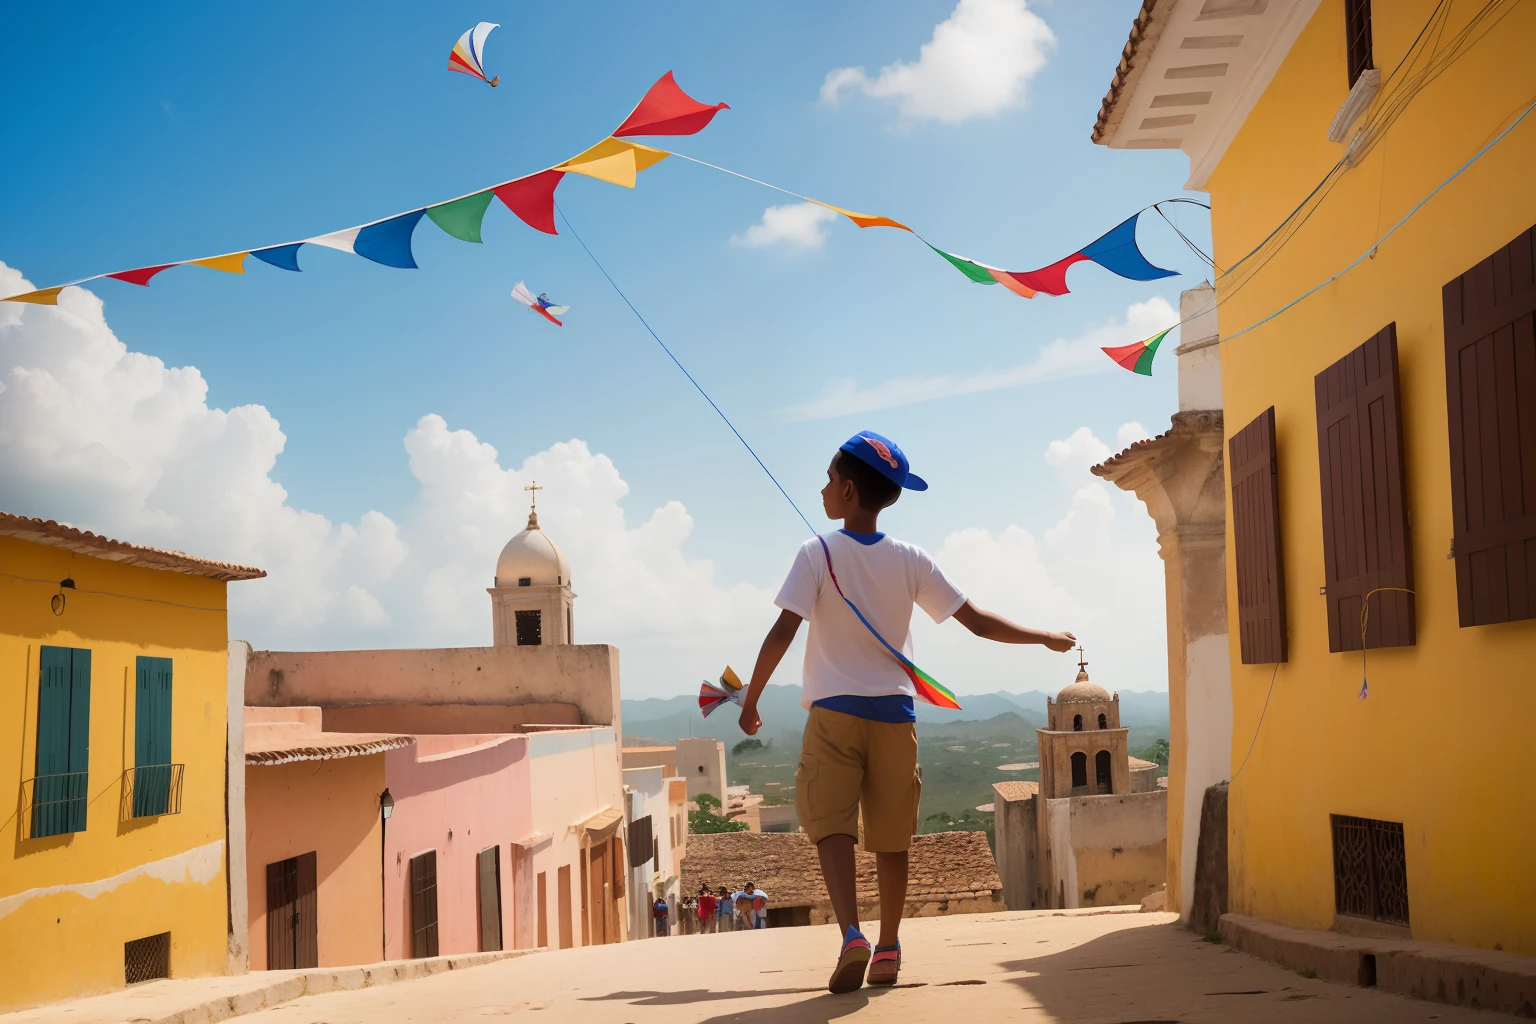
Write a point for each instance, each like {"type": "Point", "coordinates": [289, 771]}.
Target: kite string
{"type": "Point", "coordinates": [678, 363]}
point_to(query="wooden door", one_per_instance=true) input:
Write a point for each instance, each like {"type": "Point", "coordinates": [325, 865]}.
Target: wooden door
{"type": "Point", "coordinates": [563, 904]}
{"type": "Point", "coordinates": [489, 864]}
{"type": "Point", "coordinates": [601, 887]}
{"type": "Point", "coordinates": [543, 936]}
{"type": "Point", "coordinates": [293, 927]}
{"type": "Point", "coordinates": [424, 904]}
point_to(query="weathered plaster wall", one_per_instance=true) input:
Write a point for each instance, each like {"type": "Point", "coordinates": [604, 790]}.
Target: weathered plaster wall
{"type": "Point", "coordinates": [697, 753]}
{"type": "Point", "coordinates": [586, 676]}
{"type": "Point", "coordinates": [1320, 751]}
{"type": "Point", "coordinates": [69, 902]}
{"type": "Point", "coordinates": [1014, 834]}
{"type": "Point", "coordinates": [1119, 846]}
{"type": "Point", "coordinates": [331, 808]}
{"type": "Point", "coordinates": [1208, 746]}
{"type": "Point", "coordinates": [447, 718]}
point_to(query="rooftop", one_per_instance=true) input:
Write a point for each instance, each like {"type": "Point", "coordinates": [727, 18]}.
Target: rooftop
{"type": "Point", "coordinates": [58, 535]}
{"type": "Point", "coordinates": [1190, 72]}
{"type": "Point", "coordinates": [944, 865]}
{"type": "Point", "coordinates": [1009, 791]}
{"type": "Point", "coordinates": [282, 744]}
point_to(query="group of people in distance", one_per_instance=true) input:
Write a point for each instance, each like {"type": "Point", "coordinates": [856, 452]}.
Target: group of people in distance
{"type": "Point", "coordinates": [722, 911]}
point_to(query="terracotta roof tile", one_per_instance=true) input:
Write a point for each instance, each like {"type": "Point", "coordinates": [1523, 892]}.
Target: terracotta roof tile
{"type": "Point", "coordinates": [1146, 29]}
{"type": "Point", "coordinates": [1015, 790]}
{"type": "Point", "coordinates": [287, 746]}
{"type": "Point", "coordinates": [58, 535]}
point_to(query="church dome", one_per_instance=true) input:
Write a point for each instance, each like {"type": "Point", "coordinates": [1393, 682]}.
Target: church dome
{"type": "Point", "coordinates": [1081, 691]}
{"type": "Point", "coordinates": [532, 556]}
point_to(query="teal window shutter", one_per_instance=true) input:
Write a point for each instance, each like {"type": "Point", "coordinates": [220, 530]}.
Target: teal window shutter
{"type": "Point", "coordinates": [63, 741]}
{"type": "Point", "coordinates": [152, 737]}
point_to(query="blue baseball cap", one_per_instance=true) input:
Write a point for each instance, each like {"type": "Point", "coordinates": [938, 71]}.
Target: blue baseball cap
{"type": "Point", "coordinates": [885, 455]}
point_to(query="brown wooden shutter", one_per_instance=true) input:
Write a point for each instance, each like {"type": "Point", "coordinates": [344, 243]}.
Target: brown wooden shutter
{"type": "Point", "coordinates": [424, 904]}
{"type": "Point", "coordinates": [489, 864]}
{"type": "Point", "coordinates": [1365, 514]}
{"type": "Point", "coordinates": [1490, 385]}
{"type": "Point", "coordinates": [1256, 541]}
{"type": "Point", "coordinates": [306, 921]}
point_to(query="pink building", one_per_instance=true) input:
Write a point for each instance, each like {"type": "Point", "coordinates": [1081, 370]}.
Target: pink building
{"type": "Point", "coordinates": [495, 820]}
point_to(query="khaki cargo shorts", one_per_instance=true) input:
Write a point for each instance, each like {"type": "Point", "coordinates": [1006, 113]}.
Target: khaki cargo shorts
{"type": "Point", "coordinates": [850, 765]}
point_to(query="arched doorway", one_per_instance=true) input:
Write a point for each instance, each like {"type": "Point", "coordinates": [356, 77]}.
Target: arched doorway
{"type": "Point", "coordinates": [1104, 775]}
{"type": "Point", "coordinates": [1079, 770]}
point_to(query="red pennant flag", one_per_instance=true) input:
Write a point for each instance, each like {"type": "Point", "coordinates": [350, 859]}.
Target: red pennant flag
{"type": "Point", "coordinates": [533, 199]}
{"type": "Point", "coordinates": [667, 110]}
{"type": "Point", "coordinates": [1052, 279]}
{"type": "Point", "coordinates": [142, 275]}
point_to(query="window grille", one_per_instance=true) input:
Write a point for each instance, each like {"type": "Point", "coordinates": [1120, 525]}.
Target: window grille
{"type": "Point", "coordinates": [528, 628]}
{"type": "Point", "coordinates": [1357, 37]}
{"type": "Point", "coordinates": [147, 959]}
{"type": "Point", "coordinates": [151, 789]}
{"type": "Point", "coordinates": [55, 804]}
{"type": "Point", "coordinates": [1370, 869]}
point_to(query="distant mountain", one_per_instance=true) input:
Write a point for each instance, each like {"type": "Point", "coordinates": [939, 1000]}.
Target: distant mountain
{"type": "Point", "coordinates": [671, 718]}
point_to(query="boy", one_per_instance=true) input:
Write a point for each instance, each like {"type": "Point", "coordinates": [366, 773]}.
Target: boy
{"type": "Point", "coordinates": [708, 911]}
{"type": "Point", "coordinates": [859, 755]}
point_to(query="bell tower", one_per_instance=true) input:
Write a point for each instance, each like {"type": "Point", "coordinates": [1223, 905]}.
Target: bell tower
{"type": "Point", "coordinates": [531, 601]}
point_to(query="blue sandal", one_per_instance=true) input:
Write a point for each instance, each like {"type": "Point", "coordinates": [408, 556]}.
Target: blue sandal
{"type": "Point", "coordinates": [849, 973]}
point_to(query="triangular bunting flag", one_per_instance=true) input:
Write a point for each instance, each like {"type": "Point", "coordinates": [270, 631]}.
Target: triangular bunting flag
{"type": "Point", "coordinates": [142, 275]}
{"type": "Point", "coordinates": [389, 241]}
{"type": "Point", "coordinates": [43, 296]}
{"type": "Point", "coordinates": [461, 218]}
{"type": "Point", "coordinates": [615, 161]}
{"type": "Point", "coordinates": [234, 263]}
{"type": "Point", "coordinates": [666, 110]}
{"type": "Point", "coordinates": [533, 199]}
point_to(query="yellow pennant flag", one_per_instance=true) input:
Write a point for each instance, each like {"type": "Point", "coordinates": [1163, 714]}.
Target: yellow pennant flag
{"type": "Point", "coordinates": [864, 220]}
{"type": "Point", "coordinates": [43, 296]}
{"type": "Point", "coordinates": [234, 263]}
{"type": "Point", "coordinates": [614, 161]}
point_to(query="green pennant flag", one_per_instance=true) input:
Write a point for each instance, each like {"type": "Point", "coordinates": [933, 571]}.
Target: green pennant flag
{"type": "Point", "coordinates": [974, 271]}
{"type": "Point", "coordinates": [461, 218]}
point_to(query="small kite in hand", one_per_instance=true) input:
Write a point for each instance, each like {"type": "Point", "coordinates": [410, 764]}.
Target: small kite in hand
{"type": "Point", "coordinates": [729, 690]}
{"type": "Point", "coordinates": [540, 304]}
{"type": "Point", "coordinates": [469, 52]}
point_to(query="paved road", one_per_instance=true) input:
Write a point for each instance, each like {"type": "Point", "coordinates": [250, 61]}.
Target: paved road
{"type": "Point", "coordinates": [1106, 969]}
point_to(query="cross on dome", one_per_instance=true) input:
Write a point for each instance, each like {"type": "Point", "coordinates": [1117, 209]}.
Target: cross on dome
{"type": "Point", "coordinates": [533, 504]}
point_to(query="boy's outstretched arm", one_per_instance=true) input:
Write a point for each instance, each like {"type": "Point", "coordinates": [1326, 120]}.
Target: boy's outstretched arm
{"type": "Point", "coordinates": [774, 645]}
{"type": "Point", "coordinates": [990, 626]}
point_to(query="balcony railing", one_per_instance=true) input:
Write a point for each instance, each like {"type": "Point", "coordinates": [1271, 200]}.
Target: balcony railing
{"type": "Point", "coordinates": [151, 789]}
{"type": "Point", "coordinates": [53, 805]}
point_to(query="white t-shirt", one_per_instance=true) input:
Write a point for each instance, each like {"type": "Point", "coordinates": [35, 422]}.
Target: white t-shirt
{"type": "Point", "coordinates": [885, 579]}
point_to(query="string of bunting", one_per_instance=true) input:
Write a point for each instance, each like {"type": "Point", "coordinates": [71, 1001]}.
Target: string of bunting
{"type": "Point", "coordinates": [664, 110]}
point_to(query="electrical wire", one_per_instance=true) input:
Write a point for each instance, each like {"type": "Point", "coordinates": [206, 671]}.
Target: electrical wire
{"type": "Point", "coordinates": [1365, 617]}
{"type": "Point", "coordinates": [1254, 742]}
{"type": "Point", "coordinates": [108, 593]}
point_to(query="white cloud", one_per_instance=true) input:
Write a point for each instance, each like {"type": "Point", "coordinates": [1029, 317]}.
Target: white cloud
{"type": "Point", "coordinates": [1070, 457]}
{"type": "Point", "coordinates": [1095, 571]}
{"type": "Point", "coordinates": [118, 442]}
{"type": "Point", "coordinates": [798, 225]}
{"type": "Point", "coordinates": [1130, 433]}
{"type": "Point", "coordinates": [979, 62]}
{"type": "Point", "coordinates": [1058, 359]}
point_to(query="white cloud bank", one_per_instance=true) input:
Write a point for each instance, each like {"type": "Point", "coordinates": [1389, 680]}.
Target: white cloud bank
{"type": "Point", "coordinates": [979, 62]}
{"type": "Point", "coordinates": [116, 441]}
{"type": "Point", "coordinates": [797, 226]}
{"type": "Point", "coordinates": [1058, 359]}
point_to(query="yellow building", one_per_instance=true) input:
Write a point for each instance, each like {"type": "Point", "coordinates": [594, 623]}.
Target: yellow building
{"type": "Point", "coordinates": [115, 697]}
{"type": "Point", "coordinates": [1400, 454]}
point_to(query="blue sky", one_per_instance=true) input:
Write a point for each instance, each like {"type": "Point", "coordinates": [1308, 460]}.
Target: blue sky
{"type": "Point", "coordinates": [179, 131]}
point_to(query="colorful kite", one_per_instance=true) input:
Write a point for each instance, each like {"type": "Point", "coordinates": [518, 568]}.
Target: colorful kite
{"type": "Point", "coordinates": [1137, 357]}
{"type": "Point", "coordinates": [540, 304]}
{"type": "Point", "coordinates": [469, 52]}
{"type": "Point", "coordinates": [729, 691]}
{"type": "Point", "coordinates": [664, 110]}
